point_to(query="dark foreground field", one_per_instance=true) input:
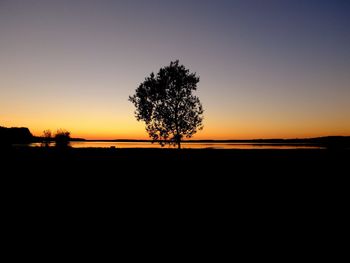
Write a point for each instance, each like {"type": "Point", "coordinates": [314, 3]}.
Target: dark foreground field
{"type": "Point", "coordinates": [165, 162]}
{"type": "Point", "coordinates": [204, 173]}
{"type": "Point", "coordinates": [259, 190]}
{"type": "Point", "coordinates": [209, 171]}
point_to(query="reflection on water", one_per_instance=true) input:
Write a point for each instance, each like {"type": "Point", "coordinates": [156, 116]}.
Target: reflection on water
{"type": "Point", "coordinates": [189, 145]}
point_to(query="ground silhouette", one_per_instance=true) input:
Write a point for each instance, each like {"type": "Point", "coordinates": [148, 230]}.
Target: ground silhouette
{"type": "Point", "coordinates": [13, 135]}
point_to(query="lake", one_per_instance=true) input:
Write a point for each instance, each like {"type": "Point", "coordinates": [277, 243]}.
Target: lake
{"type": "Point", "coordinates": [187, 145]}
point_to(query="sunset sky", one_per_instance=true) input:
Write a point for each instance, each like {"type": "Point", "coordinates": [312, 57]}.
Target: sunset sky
{"type": "Point", "coordinates": [268, 69]}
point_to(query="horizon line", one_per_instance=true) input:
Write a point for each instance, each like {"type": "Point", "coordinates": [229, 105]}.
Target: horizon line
{"type": "Point", "coordinates": [193, 140]}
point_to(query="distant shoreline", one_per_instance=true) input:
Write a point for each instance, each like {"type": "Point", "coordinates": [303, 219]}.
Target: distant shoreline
{"type": "Point", "coordinates": [334, 142]}
{"type": "Point", "coordinates": [327, 141]}
{"type": "Point", "coordinates": [295, 140]}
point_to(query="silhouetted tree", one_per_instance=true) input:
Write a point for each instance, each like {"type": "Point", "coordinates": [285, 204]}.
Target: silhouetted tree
{"type": "Point", "coordinates": [62, 138]}
{"type": "Point", "coordinates": [47, 137]}
{"type": "Point", "coordinates": [166, 104]}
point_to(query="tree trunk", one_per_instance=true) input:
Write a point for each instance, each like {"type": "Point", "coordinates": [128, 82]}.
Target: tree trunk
{"type": "Point", "coordinates": [177, 136]}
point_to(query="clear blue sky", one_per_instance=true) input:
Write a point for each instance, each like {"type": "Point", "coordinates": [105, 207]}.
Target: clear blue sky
{"type": "Point", "coordinates": [267, 68]}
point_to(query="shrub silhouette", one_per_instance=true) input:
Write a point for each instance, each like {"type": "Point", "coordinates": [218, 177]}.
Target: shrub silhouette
{"type": "Point", "coordinates": [47, 137]}
{"type": "Point", "coordinates": [62, 138]}
{"type": "Point", "coordinates": [166, 104]}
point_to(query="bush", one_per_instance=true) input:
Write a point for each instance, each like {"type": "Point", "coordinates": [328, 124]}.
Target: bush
{"type": "Point", "coordinates": [46, 138]}
{"type": "Point", "coordinates": [62, 138]}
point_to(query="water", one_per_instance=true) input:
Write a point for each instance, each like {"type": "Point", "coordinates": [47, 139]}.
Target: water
{"type": "Point", "coordinates": [189, 145]}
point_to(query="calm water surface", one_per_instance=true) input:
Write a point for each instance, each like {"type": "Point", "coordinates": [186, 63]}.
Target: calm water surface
{"type": "Point", "coordinates": [214, 145]}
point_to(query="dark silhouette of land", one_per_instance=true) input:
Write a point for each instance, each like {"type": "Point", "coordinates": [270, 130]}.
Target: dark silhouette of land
{"type": "Point", "coordinates": [251, 185]}
{"type": "Point", "coordinates": [13, 135]}
{"type": "Point", "coordinates": [332, 159]}
{"type": "Point", "coordinates": [164, 161]}
{"type": "Point", "coordinates": [22, 135]}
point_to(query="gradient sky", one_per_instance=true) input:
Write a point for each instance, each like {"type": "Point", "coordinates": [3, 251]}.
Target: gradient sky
{"type": "Point", "coordinates": [267, 69]}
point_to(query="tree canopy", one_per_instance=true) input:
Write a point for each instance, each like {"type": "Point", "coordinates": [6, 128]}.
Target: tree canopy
{"type": "Point", "coordinates": [167, 105]}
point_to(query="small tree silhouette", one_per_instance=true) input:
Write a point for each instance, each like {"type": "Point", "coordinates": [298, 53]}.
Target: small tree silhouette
{"type": "Point", "coordinates": [166, 104]}
{"type": "Point", "coordinates": [62, 138]}
{"type": "Point", "coordinates": [47, 137]}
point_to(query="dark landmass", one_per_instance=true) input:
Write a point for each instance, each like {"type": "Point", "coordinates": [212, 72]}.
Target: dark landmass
{"type": "Point", "coordinates": [164, 161]}
{"type": "Point", "coordinates": [198, 163]}
{"type": "Point", "coordinates": [22, 135]}
{"type": "Point", "coordinates": [249, 184]}
{"type": "Point", "coordinates": [14, 135]}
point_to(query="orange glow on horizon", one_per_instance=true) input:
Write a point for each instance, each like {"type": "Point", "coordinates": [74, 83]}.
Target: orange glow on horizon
{"type": "Point", "coordinates": [101, 124]}
{"type": "Point", "coordinates": [199, 136]}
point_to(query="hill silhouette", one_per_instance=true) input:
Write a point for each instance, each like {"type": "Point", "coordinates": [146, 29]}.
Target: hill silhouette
{"type": "Point", "coordinates": [13, 135]}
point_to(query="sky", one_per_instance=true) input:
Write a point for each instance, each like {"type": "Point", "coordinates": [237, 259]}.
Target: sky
{"type": "Point", "coordinates": [268, 69]}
